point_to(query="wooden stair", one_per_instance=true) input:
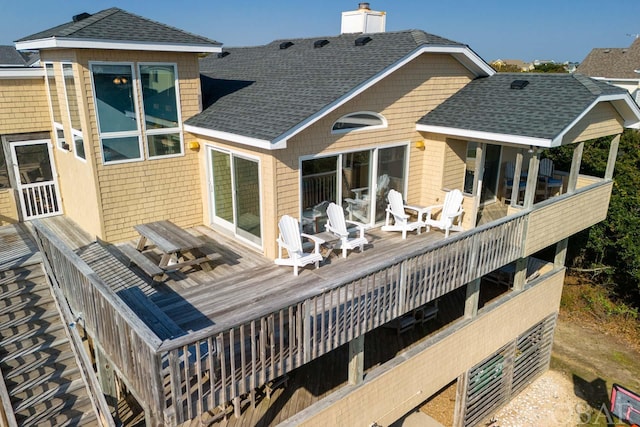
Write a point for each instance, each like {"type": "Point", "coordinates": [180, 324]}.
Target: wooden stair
{"type": "Point", "coordinates": [38, 365]}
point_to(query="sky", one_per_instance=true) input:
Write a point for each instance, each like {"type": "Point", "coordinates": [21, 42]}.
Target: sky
{"type": "Point", "coordinates": [560, 30]}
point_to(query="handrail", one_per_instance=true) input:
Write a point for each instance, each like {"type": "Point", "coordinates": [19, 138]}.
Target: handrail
{"type": "Point", "coordinates": [6, 415]}
{"type": "Point", "coordinates": [89, 377]}
{"type": "Point", "coordinates": [132, 344]}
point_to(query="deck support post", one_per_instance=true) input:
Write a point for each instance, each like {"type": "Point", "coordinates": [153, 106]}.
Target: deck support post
{"type": "Point", "coordinates": [613, 154]}
{"type": "Point", "coordinates": [532, 179]}
{"type": "Point", "coordinates": [471, 301]}
{"type": "Point", "coordinates": [561, 253]}
{"type": "Point", "coordinates": [576, 160]}
{"type": "Point", "coordinates": [461, 399]}
{"type": "Point", "coordinates": [520, 276]}
{"type": "Point", "coordinates": [356, 360]}
{"type": "Point", "coordinates": [106, 378]}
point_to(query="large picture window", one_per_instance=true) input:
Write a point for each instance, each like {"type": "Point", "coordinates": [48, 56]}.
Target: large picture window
{"type": "Point", "coordinates": [161, 113]}
{"type": "Point", "coordinates": [117, 114]}
{"type": "Point", "coordinates": [73, 106]}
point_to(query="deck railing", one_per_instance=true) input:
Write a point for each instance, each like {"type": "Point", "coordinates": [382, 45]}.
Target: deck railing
{"type": "Point", "coordinates": [126, 340]}
{"type": "Point", "coordinates": [215, 365]}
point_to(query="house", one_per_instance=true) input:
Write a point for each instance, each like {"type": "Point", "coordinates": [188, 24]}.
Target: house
{"type": "Point", "coordinates": [130, 121]}
{"type": "Point", "coordinates": [618, 66]}
{"type": "Point", "coordinates": [499, 64]}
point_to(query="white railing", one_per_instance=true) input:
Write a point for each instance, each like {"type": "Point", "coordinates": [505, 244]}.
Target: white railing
{"type": "Point", "coordinates": [39, 200]}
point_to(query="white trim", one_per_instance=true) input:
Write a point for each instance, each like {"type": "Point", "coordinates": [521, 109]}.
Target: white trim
{"type": "Point", "coordinates": [463, 54]}
{"type": "Point", "coordinates": [345, 118]}
{"type": "Point", "coordinates": [616, 79]}
{"type": "Point", "coordinates": [71, 43]}
{"type": "Point", "coordinates": [74, 132]}
{"type": "Point", "coordinates": [233, 137]}
{"type": "Point", "coordinates": [22, 73]}
{"type": "Point", "coordinates": [490, 136]}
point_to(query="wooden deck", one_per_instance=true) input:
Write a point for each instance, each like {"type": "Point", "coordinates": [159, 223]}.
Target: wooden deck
{"type": "Point", "coordinates": [242, 283]}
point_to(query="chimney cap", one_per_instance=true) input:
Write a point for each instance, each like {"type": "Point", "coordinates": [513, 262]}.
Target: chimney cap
{"type": "Point", "coordinates": [363, 6]}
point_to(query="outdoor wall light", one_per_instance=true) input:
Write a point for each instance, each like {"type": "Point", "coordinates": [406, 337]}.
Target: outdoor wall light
{"type": "Point", "coordinates": [194, 145]}
{"type": "Point", "coordinates": [420, 144]}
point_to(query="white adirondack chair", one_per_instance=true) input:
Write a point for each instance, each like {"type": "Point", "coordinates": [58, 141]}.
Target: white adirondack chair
{"type": "Point", "coordinates": [291, 239]}
{"type": "Point", "coordinates": [546, 174]}
{"type": "Point", "coordinates": [401, 221]}
{"type": "Point", "coordinates": [509, 172]}
{"type": "Point", "coordinates": [451, 209]}
{"type": "Point", "coordinates": [337, 225]}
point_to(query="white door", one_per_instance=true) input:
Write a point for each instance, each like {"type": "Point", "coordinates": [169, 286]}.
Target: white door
{"type": "Point", "coordinates": [35, 179]}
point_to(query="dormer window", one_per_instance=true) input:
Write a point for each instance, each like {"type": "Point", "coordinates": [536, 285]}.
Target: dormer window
{"type": "Point", "coordinates": [363, 120]}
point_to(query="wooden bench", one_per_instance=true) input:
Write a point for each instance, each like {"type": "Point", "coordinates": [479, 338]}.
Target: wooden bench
{"type": "Point", "coordinates": [139, 259]}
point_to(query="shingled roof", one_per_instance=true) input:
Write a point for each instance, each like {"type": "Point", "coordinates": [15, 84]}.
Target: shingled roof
{"type": "Point", "coordinates": [116, 25]}
{"type": "Point", "coordinates": [267, 92]}
{"type": "Point", "coordinates": [10, 57]}
{"type": "Point", "coordinates": [613, 63]}
{"type": "Point", "coordinates": [538, 114]}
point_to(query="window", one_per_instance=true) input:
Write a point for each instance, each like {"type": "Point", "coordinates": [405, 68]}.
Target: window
{"type": "Point", "coordinates": [359, 121]}
{"type": "Point", "coordinates": [74, 111]}
{"type": "Point", "coordinates": [54, 102]}
{"type": "Point", "coordinates": [116, 111]}
{"type": "Point", "coordinates": [161, 114]}
{"type": "Point", "coordinates": [4, 170]}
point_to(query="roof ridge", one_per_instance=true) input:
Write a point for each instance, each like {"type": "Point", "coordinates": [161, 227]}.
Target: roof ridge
{"type": "Point", "coordinates": [98, 16]}
{"type": "Point", "coordinates": [588, 83]}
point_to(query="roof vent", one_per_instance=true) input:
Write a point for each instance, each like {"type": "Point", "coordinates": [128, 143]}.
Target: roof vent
{"type": "Point", "coordinates": [519, 84]}
{"type": "Point", "coordinates": [223, 54]}
{"type": "Point", "coordinates": [79, 17]}
{"type": "Point", "coordinates": [286, 45]}
{"type": "Point", "coordinates": [320, 43]}
{"type": "Point", "coordinates": [607, 50]}
{"type": "Point", "coordinates": [361, 41]}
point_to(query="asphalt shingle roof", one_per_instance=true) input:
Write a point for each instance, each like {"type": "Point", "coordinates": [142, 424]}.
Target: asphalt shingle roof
{"type": "Point", "coordinates": [118, 25]}
{"type": "Point", "coordinates": [615, 63]}
{"type": "Point", "coordinates": [261, 92]}
{"type": "Point", "coordinates": [9, 56]}
{"type": "Point", "coordinates": [543, 109]}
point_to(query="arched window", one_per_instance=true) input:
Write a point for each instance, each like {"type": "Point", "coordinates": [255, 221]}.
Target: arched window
{"type": "Point", "coordinates": [363, 120]}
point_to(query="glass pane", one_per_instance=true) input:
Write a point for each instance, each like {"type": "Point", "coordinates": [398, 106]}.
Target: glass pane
{"type": "Point", "coordinates": [247, 198]}
{"type": "Point", "coordinates": [163, 145]}
{"type": "Point", "coordinates": [4, 170]}
{"type": "Point", "coordinates": [113, 86]}
{"type": "Point", "coordinates": [356, 121]}
{"type": "Point", "coordinates": [60, 138]}
{"type": "Point", "coordinates": [391, 175]}
{"type": "Point", "coordinates": [159, 96]}
{"type": "Point", "coordinates": [117, 149]}
{"type": "Point", "coordinates": [319, 188]}
{"type": "Point", "coordinates": [223, 192]}
{"type": "Point", "coordinates": [470, 171]}
{"type": "Point", "coordinates": [34, 164]}
{"type": "Point", "coordinates": [78, 143]}
{"type": "Point", "coordinates": [356, 180]}
{"type": "Point", "coordinates": [72, 98]}
{"type": "Point", "coordinates": [491, 171]}
{"type": "Point", "coordinates": [53, 93]}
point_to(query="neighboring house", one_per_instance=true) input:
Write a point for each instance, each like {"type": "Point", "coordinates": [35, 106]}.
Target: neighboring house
{"type": "Point", "coordinates": [618, 66]}
{"type": "Point", "coordinates": [498, 64]}
{"type": "Point", "coordinates": [131, 121]}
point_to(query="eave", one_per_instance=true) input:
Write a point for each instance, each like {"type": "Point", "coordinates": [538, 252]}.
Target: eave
{"type": "Point", "coordinates": [82, 43]}
{"type": "Point", "coordinates": [22, 73]}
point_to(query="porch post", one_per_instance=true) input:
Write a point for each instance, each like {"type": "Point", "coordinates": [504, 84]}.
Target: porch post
{"type": "Point", "coordinates": [520, 276]}
{"type": "Point", "coordinates": [532, 179]}
{"type": "Point", "coordinates": [561, 253]}
{"type": "Point", "coordinates": [460, 407]}
{"type": "Point", "coordinates": [472, 299]}
{"type": "Point", "coordinates": [575, 167]}
{"type": "Point", "coordinates": [613, 154]}
{"type": "Point", "coordinates": [477, 180]}
{"type": "Point", "coordinates": [356, 360]}
{"type": "Point", "coordinates": [515, 187]}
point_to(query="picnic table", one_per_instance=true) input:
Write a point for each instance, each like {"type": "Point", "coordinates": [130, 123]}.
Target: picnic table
{"type": "Point", "coordinates": [174, 243]}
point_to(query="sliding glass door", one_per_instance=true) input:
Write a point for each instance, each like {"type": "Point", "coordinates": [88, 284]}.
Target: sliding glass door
{"type": "Point", "coordinates": [235, 194]}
